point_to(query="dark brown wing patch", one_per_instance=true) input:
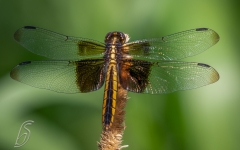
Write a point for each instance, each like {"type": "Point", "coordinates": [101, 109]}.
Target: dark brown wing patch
{"type": "Point", "coordinates": [90, 74]}
{"type": "Point", "coordinates": [134, 75]}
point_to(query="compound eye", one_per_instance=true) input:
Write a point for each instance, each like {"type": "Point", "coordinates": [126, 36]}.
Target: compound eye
{"type": "Point", "coordinates": [122, 37]}
{"type": "Point", "coordinates": [108, 36]}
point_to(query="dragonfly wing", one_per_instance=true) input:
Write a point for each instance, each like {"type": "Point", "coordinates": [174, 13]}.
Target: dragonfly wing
{"type": "Point", "coordinates": [57, 46]}
{"type": "Point", "coordinates": [61, 76]}
{"type": "Point", "coordinates": [165, 77]}
{"type": "Point", "coordinates": [173, 47]}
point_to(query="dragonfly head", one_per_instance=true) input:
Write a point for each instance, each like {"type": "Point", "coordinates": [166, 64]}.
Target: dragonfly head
{"type": "Point", "coordinates": [116, 38]}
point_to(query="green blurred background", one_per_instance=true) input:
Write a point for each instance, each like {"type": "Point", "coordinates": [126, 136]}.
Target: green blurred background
{"type": "Point", "coordinates": [202, 119]}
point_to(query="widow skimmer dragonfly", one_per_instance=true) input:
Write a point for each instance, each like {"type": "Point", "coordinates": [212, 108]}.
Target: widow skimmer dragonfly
{"type": "Point", "coordinates": [142, 66]}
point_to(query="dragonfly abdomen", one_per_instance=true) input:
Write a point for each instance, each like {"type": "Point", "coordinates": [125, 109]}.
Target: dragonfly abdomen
{"type": "Point", "coordinates": [110, 96]}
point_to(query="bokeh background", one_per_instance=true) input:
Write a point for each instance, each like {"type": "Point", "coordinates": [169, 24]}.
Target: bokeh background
{"type": "Point", "coordinates": [201, 119]}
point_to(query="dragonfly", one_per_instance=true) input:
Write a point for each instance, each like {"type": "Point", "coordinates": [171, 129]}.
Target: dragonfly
{"type": "Point", "coordinates": [142, 66]}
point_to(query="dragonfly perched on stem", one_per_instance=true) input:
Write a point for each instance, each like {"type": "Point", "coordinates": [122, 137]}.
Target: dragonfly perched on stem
{"type": "Point", "coordinates": [142, 66]}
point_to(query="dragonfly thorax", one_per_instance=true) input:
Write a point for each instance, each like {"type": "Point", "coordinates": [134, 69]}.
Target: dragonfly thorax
{"type": "Point", "coordinates": [113, 44]}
